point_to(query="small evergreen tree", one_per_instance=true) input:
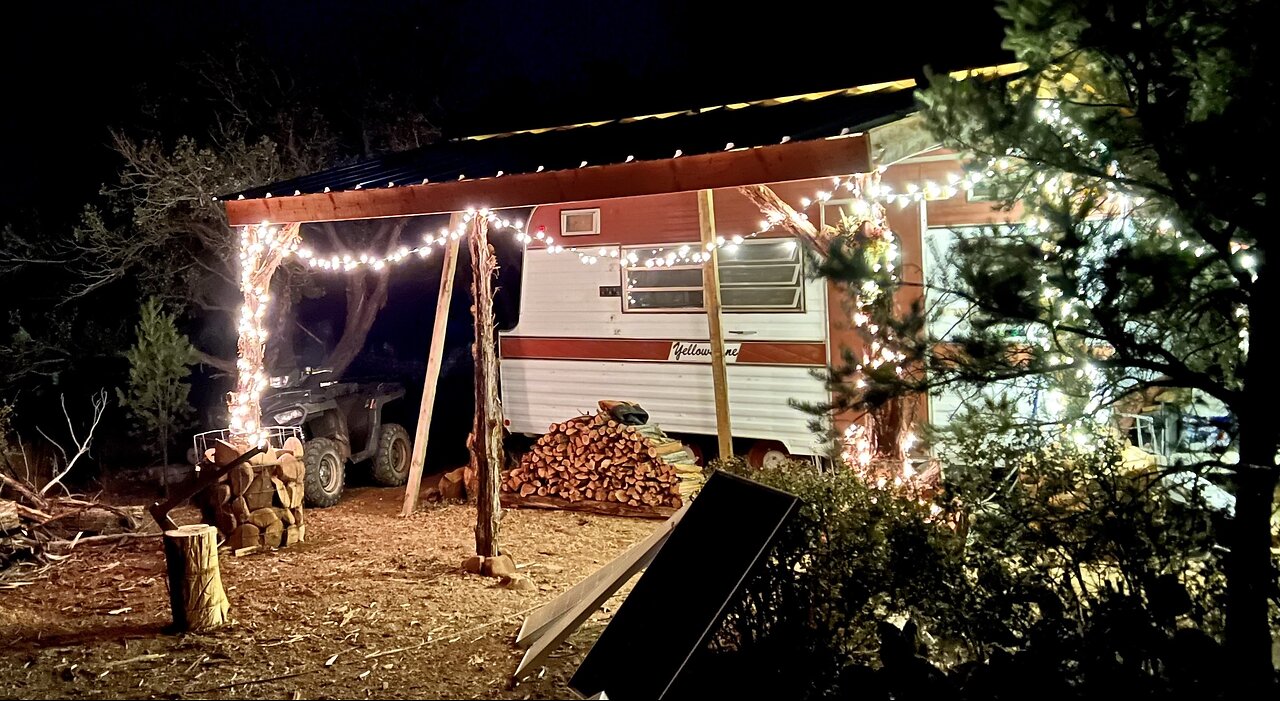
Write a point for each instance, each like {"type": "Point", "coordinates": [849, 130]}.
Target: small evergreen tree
{"type": "Point", "coordinates": [158, 362]}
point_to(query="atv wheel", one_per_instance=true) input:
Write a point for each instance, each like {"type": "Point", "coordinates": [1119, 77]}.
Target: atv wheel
{"type": "Point", "coordinates": [326, 472]}
{"type": "Point", "coordinates": [391, 464]}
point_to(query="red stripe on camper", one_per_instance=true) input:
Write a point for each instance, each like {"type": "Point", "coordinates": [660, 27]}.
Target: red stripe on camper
{"type": "Point", "coordinates": [584, 348]}
{"type": "Point", "coordinates": [766, 353]}
{"type": "Point", "coordinates": [750, 352]}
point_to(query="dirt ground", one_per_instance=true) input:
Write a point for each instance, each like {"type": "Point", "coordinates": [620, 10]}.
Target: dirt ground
{"type": "Point", "coordinates": [371, 606]}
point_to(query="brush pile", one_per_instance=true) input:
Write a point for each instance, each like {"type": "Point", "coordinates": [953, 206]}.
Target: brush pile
{"type": "Point", "coordinates": [35, 528]}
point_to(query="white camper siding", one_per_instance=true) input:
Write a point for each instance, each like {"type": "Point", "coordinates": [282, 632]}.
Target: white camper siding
{"type": "Point", "coordinates": [678, 396]}
{"type": "Point", "coordinates": [561, 298]}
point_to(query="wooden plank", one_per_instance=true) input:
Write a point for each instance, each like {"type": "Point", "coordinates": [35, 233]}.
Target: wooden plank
{"type": "Point", "coordinates": [549, 626]}
{"type": "Point", "coordinates": [608, 508]}
{"type": "Point", "coordinates": [794, 160]}
{"type": "Point", "coordinates": [429, 384]}
{"type": "Point", "coordinates": [711, 302]}
{"type": "Point", "coordinates": [637, 556]}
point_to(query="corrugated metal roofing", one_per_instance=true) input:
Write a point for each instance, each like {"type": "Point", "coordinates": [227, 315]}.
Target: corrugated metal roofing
{"type": "Point", "coordinates": [650, 137]}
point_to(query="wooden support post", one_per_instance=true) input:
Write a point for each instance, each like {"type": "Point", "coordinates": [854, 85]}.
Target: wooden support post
{"type": "Point", "coordinates": [486, 433]}
{"type": "Point", "coordinates": [432, 380]}
{"type": "Point", "coordinates": [711, 301]}
{"type": "Point", "coordinates": [195, 584]}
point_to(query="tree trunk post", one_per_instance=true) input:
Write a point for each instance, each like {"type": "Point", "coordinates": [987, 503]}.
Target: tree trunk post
{"type": "Point", "coordinates": [431, 381]}
{"type": "Point", "coordinates": [1251, 577]}
{"type": "Point", "coordinates": [196, 596]}
{"type": "Point", "coordinates": [262, 250]}
{"type": "Point", "coordinates": [486, 433]}
{"type": "Point", "coordinates": [711, 301]}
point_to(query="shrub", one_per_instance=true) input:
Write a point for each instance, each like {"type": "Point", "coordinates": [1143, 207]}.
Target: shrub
{"type": "Point", "coordinates": [851, 558]}
{"type": "Point", "coordinates": [1057, 569]}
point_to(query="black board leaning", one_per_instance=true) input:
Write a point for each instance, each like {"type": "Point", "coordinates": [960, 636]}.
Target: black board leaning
{"type": "Point", "coordinates": [727, 530]}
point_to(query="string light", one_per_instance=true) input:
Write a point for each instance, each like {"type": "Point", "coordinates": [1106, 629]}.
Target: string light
{"type": "Point", "coordinates": [348, 262]}
{"type": "Point", "coordinates": [262, 248]}
{"type": "Point", "coordinates": [860, 198]}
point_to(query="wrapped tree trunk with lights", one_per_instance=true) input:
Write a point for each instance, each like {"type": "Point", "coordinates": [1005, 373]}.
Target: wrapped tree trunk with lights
{"type": "Point", "coordinates": [262, 249]}
{"type": "Point", "coordinates": [1142, 259]}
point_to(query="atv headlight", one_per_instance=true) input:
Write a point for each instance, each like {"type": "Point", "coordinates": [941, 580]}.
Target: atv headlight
{"type": "Point", "coordinates": [289, 417]}
{"type": "Point", "coordinates": [279, 381]}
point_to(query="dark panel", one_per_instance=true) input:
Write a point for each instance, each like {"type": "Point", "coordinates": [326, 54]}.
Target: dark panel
{"type": "Point", "coordinates": [679, 601]}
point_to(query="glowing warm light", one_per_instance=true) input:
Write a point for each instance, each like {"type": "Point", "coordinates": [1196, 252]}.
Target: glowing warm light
{"type": "Point", "coordinates": [262, 249]}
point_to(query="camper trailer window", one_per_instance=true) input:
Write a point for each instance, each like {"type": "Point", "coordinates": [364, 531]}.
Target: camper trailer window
{"type": "Point", "coordinates": [755, 276]}
{"type": "Point", "coordinates": [665, 300]}
{"type": "Point", "coordinates": [758, 274]}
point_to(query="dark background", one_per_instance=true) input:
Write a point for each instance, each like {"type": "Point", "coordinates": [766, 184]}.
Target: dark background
{"type": "Point", "coordinates": [72, 71]}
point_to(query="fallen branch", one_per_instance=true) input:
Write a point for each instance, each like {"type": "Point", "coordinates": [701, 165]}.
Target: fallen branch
{"type": "Point", "coordinates": [779, 213]}
{"type": "Point", "coordinates": [33, 514]}
{"type": "Point", "coordinates": [26, 493]}
{"type": "Point", "coordinates": [85, 515]}
{"type": "Point", "coordinates": [139, 658]}
{"type": "Point", "coordinates": [82, 447]}
{"type": "Point", "coordinates": [101, 539]}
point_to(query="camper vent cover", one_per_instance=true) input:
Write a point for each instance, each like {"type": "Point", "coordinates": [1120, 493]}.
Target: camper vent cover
{"type": "Point", "coordinates": [579, 222]}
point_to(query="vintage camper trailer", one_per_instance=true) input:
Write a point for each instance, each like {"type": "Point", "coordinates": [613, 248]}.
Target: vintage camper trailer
{"type": "Point", "coordinates": [601, 323]}
{"type": "Point", "coordinates": [627, 189]}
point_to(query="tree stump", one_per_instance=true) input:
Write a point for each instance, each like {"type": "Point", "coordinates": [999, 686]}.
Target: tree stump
{"type": "Point", "coordinates": [195, 584]}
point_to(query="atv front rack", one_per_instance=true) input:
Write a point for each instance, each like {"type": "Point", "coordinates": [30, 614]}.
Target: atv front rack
{"type": "Point", "coordinates": [275, 435]}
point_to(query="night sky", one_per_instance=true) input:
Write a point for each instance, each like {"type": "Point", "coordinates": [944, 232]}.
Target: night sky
{"type": "Point", "coordinates": [72, 70]}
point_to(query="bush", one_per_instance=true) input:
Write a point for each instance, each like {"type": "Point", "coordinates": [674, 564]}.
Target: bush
{"type": "Point", "coordinates": [1074, 514]}
{"type": "Point", "coordinates": [851, 558]}
{"type": "Point", "coordinates": [1056, 569]}
{"type": "Point", "coordinates": [1104, 565]}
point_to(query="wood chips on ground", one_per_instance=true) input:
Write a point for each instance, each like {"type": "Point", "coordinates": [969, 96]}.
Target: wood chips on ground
{"type": "Point", "coordinates": [371, 606]}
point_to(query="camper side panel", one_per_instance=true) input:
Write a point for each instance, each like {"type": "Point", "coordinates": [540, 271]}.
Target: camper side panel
{"type": "Point", "coordinates": [574, 345]}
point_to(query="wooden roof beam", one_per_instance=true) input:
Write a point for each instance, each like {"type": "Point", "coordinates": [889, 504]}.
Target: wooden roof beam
{"type": "Point", "coordinates": [797, 160]}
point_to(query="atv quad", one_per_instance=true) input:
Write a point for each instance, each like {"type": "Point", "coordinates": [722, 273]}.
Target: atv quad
{"type": "Point", "coordinates": [342, 423]}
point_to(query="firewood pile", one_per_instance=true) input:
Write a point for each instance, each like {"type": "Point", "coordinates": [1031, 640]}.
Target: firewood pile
{"type": "Point", "coordinates": [257, 504]}
{"type": "Point", "coordinates": [36, 529]}
{"type": "Point", "coordinates": [605, 462]}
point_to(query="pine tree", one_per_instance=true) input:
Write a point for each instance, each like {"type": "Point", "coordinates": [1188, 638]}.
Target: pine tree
{"type": "Point", "coordinates": [1131, 148]}
{"type": "Point", "coordinates": [158, 363]}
